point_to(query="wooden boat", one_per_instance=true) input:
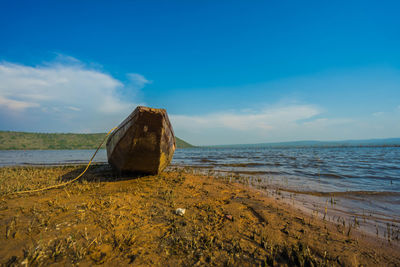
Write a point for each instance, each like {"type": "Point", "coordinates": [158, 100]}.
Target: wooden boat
{"type": "Point", "coordinates": [143, 143]}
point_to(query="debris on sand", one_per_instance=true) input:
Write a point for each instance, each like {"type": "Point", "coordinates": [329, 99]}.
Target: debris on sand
{"type": "Point", "coordinates": [229, 217]}
{"type": "Point", "coordinates": [180, 211]}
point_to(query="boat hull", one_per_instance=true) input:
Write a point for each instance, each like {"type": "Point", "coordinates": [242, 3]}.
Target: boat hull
{"type": "Point", "coordinates": [143, 143]}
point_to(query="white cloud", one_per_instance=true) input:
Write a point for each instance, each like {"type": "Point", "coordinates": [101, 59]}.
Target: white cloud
{"type": "Point", "coordinates": [65, 59]}
{"type": "Point", "coordinates": [284, 123]}
{"type": "Point", "coordinates": [70, 90]}
{"type": "Point", "coordinates": [66, 95]}
{"type": "Point", "coordinates": [16, 105]}
{"type": "Point", "coordinates": [264, 120]}
{"type": "Point", "coordinates": [74, 108]}
{"type": "Point", "coordinates": [138, 80]}
{"type": "Point", "coordinates": [245, 127]}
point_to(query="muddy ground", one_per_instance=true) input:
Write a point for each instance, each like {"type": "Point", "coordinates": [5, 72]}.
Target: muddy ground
{"type": "Point", "coordinates": [109, 219]}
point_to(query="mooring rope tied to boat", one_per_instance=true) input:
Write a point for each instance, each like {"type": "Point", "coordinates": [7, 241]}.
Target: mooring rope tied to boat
{"type": "Point", "coordinates": [73, 180]}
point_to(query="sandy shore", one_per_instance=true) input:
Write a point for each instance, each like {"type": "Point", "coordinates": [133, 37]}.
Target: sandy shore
{"type": "Point", "coordinates": [110, 220]}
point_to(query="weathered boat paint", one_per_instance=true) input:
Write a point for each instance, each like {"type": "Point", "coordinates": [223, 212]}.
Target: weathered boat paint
{"type": "Point", "coordinates": [143, 143]}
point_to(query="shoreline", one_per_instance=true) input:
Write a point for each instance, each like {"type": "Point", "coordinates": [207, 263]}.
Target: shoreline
{"type": "Point", "coordinates": [117, 220]}
{"type": "Point", "coordinates": [338, 207]}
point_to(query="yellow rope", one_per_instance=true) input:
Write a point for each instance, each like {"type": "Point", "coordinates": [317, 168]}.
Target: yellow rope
{"type": "Point", "coordinates": [73, 180]}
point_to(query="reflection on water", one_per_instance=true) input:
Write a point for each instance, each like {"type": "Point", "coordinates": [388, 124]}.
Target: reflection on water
{"type": "Point", "coordinates": [361, 180]}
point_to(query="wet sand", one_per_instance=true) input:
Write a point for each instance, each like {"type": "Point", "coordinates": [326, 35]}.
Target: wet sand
{"type": "Point", "coordinates": [112, 220]}
{"type": "Point", "coordinates": [360, 208]}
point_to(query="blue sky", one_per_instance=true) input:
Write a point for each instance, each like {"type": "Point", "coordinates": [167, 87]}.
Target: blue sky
{"type": "Point", "coordinates": [226, 71]}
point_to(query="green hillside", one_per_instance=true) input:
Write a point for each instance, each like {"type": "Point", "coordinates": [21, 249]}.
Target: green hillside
{"type": "Point", "coordinates": [32, 141]}
{"type": "Point", "coordinates": [182, 144]}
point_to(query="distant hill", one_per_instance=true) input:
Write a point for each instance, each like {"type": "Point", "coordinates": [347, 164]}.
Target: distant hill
{"type": "Point", "coordinates": [35, 141]}
{"type": "Point", "coordinates": [182, 144]}
{"type": "Point", "coordinates": [346, 143]}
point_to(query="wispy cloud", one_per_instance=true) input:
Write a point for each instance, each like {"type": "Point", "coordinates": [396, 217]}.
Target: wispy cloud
{"type": "Point", "coordinates": [66, 87]}
{"type": "Point", "coordinates": [138, 80]}
{"type": "Point", "coordinates": [245, 126]}
{"type": "Point", "coordinates": [265, 119]}
{"type": "Point", "coordinates": [16, 105]}
{"type": "Point", "coordinates": [74, 108]}
{"type": "Point", "coordinates": [377, 114]}
{"type": "Point", "coordinates": [283, 123]}
{"type": "Point", "coordinates": [68, 95]}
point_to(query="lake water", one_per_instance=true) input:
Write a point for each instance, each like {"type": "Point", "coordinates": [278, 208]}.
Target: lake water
{"type": "Point", "coordinates": [49, 157]}
{"type": "Point", "coordinates": [306, 169]}
{"type": "Point", "coordinates": [363, 180]}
